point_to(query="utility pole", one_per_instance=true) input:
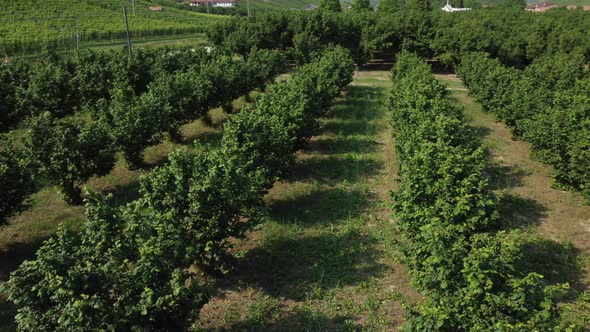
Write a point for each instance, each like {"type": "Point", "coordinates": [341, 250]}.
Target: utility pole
{"type": "Point", "coordinates": [128, 34]}
{"type": "Point", "coordinates": [77, 35]}
{"type": "Point", "coordinates": [77, 38]}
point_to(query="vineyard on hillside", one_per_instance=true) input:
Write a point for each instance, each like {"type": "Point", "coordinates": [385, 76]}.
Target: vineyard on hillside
{"type": "Point", "coordinates": [322, 192]}
{"type": "Point", "coordinates": [28, 26]}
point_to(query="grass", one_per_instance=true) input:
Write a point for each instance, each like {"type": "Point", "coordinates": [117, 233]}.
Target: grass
{"type": "Point", "coordinates": [557, 223]}
{"type": "Point", "coordinates": [324, 259]}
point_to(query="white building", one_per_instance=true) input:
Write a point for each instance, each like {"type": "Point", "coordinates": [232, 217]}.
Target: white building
{"type": "Point", "coordinates": [448, 8]}
{"type": "Point", "coordinates": [214, 3]}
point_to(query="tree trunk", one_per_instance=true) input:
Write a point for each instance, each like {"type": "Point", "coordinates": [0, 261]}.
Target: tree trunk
{"type": "Point", "coordinates": [175, 135]}
{"type": "Point", "coordinates": [134, 159]}
{"type": "Point", "coordinates": [72, 193]}
{"type": "Point", "coordinates": [228, 108]}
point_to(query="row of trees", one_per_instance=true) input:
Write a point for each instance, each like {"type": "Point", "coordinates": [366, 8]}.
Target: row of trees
{"type": "Point", "coordinates": [146, 266]}
{"type": "Point", "coordinates": [469, 270]}
{"type": "Point", "coordinates": [546, 104]}
{"type": "Point", "coordinates": [514, 36]}
{"type": "Point", "coordinates": [72, 134]}
{"type": "Point", "coordinates": [301, 34]}
{"type": "Point", "coordinates": [553, 47]}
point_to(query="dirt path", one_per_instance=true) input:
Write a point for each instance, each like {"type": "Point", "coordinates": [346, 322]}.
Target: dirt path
{"type": "Point", "coordinates": [531, 202]}
{"type": "Point", "coordinates": [325, 259]}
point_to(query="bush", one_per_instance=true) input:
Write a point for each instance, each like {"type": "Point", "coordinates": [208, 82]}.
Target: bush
{"type": "Point", "coordinates": [69, 151]}
{"type": "Point", "coordinates": [16, 178]}
{"type": "Point", "coordinates": [124, 272]}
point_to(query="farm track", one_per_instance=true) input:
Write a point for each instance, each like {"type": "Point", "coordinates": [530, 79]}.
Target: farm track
{"type": "Point", "coordinates": [325, 259]}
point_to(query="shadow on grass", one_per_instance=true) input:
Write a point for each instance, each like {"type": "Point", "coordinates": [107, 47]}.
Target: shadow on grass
{"type": "Point", "coordinates": [343, 145]}
{"type": "Point", "coordinates": [480, 131]}
{"type": "Point", "coordinates": [304, 267]}
{"type": "Point", "coordinates": [352, 127]}
{"type": "Point", "coordinates": [519, 212]}
{"type": "Point", "coordinates": [7, 313]}
{"type": "Point", "coordinates": [505, 177]}
{"type": "Point", "coordinates": [300, 320]}
{"type": "Point", "coordinates": [12, 256]}
{"type": "Point", "coordinates": [558, 262]}
{"type": "Point", "coordinates": [209, 138]}
{"type": "Point", "coordinates": [335, 169]}
{"type": "Point", "coordinates": [355, 114]}
{"type": "Point", "coordinates": [124, 194]}
{"type": "Point", "coordinates": [360, 107]}
{"type": "Point", "coordinates": [321, 206]}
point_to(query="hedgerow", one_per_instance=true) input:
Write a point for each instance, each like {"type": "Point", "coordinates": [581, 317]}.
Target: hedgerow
{"type": "Point", "coordinates": [447, 215]}
{"type": "Point", "coordinates": [546, 104]}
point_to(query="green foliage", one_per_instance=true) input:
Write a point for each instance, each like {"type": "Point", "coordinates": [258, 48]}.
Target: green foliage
{"type": "Point", "coordinates": [145, 266]}
{"type": "Point", "coordinates": [264, 66]}
{"type": "Point", "coordinates": [330, 5]}
{"type": "Point", "coordinates": [128, 270]}
{"type": "Point", "coordinates": [493, 297]}
{"type": "Point", "coordinates": [50, 89]}
{"type": "Point", "coordinates": [545, 104]}
{"type": "Point", "coordinates": [13, 77]}
{"type": "Point", "coordinates": [16, 178]}
{"type": "Point", "coordinates": [361, 5]}
{"type": "Point", "coordinates": [298, 34]}
{"type": "Point", "coordinates": [387, 7]}
{"type": "Point", "coordinates": [518, 4]}
{"type": "Point", "coordinates": [135, 122]}
{"type": "Point", "coordinates": [32, 26]}
{"type": "Point", "coordinates": [259, 144]}
{"type": "Point", "coordinates": [203, 192]}
{"type": "Point", "coordinates": [420, 5]}
{"type": "Point", "coordinates": [69, 151]}
{"type": "Point", "coordinates": [186, 96]}
{"type": "Point", "coordinates": [94, 76]}
{"type": "Point", "coordinates": [306, 46]}
{"type": "Point", "coordinates": [447, 215]}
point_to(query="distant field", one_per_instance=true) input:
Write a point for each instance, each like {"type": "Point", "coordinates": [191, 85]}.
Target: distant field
{"type": "Point", "coordinates": [28, 25]}
{"type": "Point", "coordinates": [294, 4]}
{"type": "Point", "coordinates": [278, 4]}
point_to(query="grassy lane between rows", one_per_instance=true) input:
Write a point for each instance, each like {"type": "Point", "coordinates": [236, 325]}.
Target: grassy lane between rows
{"type": "Point", "coordinates": [325, 259]}
{"type": "Point", "coordinates": [557, 222]}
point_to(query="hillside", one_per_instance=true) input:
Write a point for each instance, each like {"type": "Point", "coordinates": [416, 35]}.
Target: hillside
{"type": "Point", "coordinates": [290, 4]}
{"type": "Point", "coordinates": [27, 25]}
